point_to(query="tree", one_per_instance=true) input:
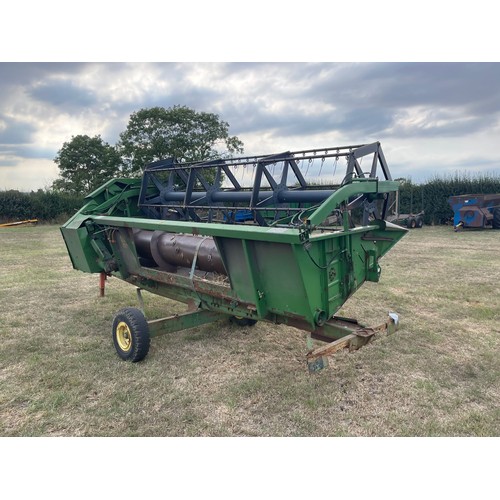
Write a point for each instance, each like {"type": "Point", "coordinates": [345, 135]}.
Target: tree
{"type": "Point", "coordinates": [85, 163]}
{"type": "Point", "coordinates": [156, 133]}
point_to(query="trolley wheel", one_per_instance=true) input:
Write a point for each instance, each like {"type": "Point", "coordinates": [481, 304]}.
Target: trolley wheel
{"type": "Point", "coordinates": [495, 223]}
{"type": "Point", "coordinates": [420, 222]}
{"type": "Point", "coordinates": [131, 334]}
{"type": "Point", "coordinates": [240, 321]}
{"type": "Point", "coordinates": [412, 223]}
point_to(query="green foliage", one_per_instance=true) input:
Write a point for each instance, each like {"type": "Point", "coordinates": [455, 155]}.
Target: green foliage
{"type": "Point", "coordinates": [156, 133]}
{"type": "Point", "coordinates": [85, 163]}
{"type": "Point", "coordinates": [14, 206]}
{"type": "Point", "coordinates": [432, 196]}
{"type": "Point", "coordinates": [42, 205]}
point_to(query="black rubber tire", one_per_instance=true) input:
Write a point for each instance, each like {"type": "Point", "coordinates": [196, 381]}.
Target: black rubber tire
{"type": "Point", "coordinates": [243, 321]}
{"type": "Point", "coordinates": [495, 223]}
{"type": "Point", "coordinates": [420, 222]}
{"type": "Point", "coordinates": [131, 334]}
{"type": "Point", "coordinates": [411, 223]}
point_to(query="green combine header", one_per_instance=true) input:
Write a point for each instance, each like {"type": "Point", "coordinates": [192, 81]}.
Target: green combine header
{"type": "Point", "coordinates": [249, 238]}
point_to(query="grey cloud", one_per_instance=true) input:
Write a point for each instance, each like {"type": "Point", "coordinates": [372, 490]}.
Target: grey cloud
{"type": "Point", "coordinates": [15, 155]}
{"type": "Point", "coordinates": [22, 73]}
{"type": "Point", "coordinates": [478, 162]}
{"type": "Point", "coordinates": [292, 71]}
{"type": "Point", "coordinates": [51, 82]}
{"type": "Point", "coordinates": [445, 124]}
{"type": "Point", "coordinates": [411, 84]}
{"type": "Point", "coordinates": [394, 87]}
{"type": "Point", "coordinates": [362, 121]}
{"type": "Point", "coordinates": [299, 88]}
{"type": "Point", "coordinates": [251, 114]}
{"type": "Point", "coordinates": [366, 120]}
{"type": "Point", "coordinates": [452, 129]}
{"type": "Point", "coordinates": [369, 98]}
{"type": "Point", "coordinates": [15, 132]}
{"type": "Point", "coordinates": [63, 94]}
{"type": "Point", "coordinates": [9, 163]}
{"type": "Point", "coordinates": [28, 73]}
{"type": "Point", "coordinates": [471, 85]}
{"type": "Point", "coordinates": [33, 151]}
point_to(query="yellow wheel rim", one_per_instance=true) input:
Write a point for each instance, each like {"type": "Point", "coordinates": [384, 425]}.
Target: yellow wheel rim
{"type": "Point", "coordinates": [124, 336]}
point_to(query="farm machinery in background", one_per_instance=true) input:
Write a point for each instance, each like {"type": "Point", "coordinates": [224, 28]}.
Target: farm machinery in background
{"type": "Point", "coordinates": [247, 238]}
{"type": "Point", "coordinates": [475, 211]}
{"type": "Point", "coordinates": [411, 220]}
{"type": "Point", "coordinates": [29, 222]}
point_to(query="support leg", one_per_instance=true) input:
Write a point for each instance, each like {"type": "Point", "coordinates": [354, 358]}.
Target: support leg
{"type": "Point", "coordinates": [102, 282]}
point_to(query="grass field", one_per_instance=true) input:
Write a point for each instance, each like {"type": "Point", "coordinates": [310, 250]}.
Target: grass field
{"type": "Point", "coordinates": [439, 375]}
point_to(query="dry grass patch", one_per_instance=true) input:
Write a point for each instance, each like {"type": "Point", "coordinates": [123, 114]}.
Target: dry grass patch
{"type": "Point", "coordinates": [438, 375]}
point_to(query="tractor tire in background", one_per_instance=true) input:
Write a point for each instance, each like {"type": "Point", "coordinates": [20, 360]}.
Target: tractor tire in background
{"type": "Point", "coordinates": [420, 222]}
{"type": "Point", "coordinates": [495, 223]}
{"type": "Point", "coordinates": [411, 223]}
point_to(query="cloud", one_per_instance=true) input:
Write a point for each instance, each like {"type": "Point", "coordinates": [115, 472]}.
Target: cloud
{"type": "Point", "coordinates": [28, 151]}
{"type": "Point", "coordinates": [22, 73]}
{"type": "Point", "coordinates": [63, 93]}
{"type": "Point", "coordinates": [452, 98]}
{"type": "Point", "coordinates": [424, 122]}
{"type": "Point", "coordinates": [397, 85]}
{"type": "Point", "coordinates": [447, 110]}
{"type": "Point", "coordinates": [27, 175]}
{"type": "Point", "coordinates": [14, 131]}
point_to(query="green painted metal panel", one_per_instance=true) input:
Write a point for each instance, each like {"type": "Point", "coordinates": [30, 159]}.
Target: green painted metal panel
{"type": "Point", "coordinates": [82, 254]}
{"type": "Point", "coordinates": [243, 232]}
{"type": "Point", "coordinates": [279, 278]}
{"type": "Point", "coordinates": [308, 280]}
{"type": "Point", "coordinates": [183, 321]}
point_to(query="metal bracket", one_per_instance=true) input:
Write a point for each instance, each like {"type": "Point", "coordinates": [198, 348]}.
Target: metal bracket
{"type": "Point", "coordinates": [354, 338]}
{"type": "Point", "coordinates": [140, 299]}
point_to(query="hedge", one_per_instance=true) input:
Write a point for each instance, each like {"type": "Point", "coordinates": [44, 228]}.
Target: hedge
{"type": "Point", "coordinates": [45, 206]}
{"type": "Point", "coordinates": [432, 196]}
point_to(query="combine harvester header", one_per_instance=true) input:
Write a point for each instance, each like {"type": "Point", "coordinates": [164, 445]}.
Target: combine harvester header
{"type": "Point", "coordinates": [248, 237]}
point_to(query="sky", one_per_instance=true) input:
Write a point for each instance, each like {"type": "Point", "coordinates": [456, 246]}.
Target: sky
{"type": "Point", "coordinates": [431, 118]}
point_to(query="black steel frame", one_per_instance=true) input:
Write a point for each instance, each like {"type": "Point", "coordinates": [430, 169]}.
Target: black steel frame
{"type": "Point", "coordinates": [172, 189]}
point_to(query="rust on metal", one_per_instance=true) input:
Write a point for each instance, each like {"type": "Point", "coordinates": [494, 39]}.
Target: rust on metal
{"type": "Point", "coordinates": [319, 358]}
{"type": "Point", "coordinates": [102, 283]}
